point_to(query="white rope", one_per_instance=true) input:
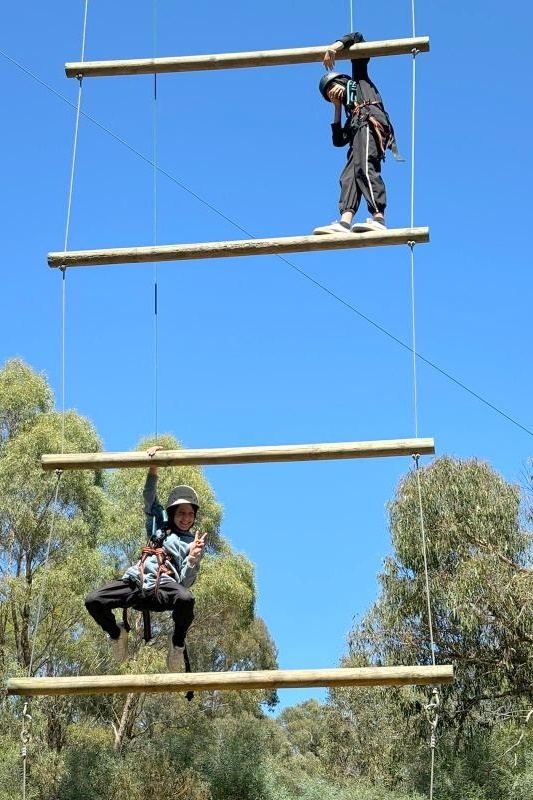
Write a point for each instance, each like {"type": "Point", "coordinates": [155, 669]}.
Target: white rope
{"type": "Point", "coordinates": [25, 736]}
{"type": "Point", "coordinates": [425, 558]}
{"type": "Point", "coordinates": [67, 231]}
{"type": "Point", "coordinates": [431, 708]}
{"type": "Point", "coordinates": [413, 347]}
{"type": "Point", "coordinates": [155, 227]}
{"type": "Point", "coordinates": [351, 15]}
{"type": "Point", "coordinates": [45, 565]}
{"type": "Point", "coordinates": [412, 224]}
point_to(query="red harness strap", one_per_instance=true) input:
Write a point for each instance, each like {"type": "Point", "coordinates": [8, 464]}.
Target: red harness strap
{"type": "Point", "coordinates": [162, 565]}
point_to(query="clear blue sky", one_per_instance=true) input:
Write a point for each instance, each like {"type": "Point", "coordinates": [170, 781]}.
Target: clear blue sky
{"type": "Point", "coordinates": [250, 352]}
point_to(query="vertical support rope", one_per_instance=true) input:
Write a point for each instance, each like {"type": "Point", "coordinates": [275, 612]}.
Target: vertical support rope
{"type": "Point", "coordinates": [413, 344]}
{"type": "Point", "coordinates": [425, 559]}
{"type": "Point", "coordinates": [26, 718]}
{"type": "Point", "coordinates": [155, 227]}
{"type": "Point", "coordinates": [431, 708]}
{"type": "Point", "coordinates": [67, 232]}
{"type": "Point", "coordinates": [351, 15]}
{"type": "Point", "coordinates": [25, 738]}
{"type": "Point", "coordinates": [45, 565]}
{"type": "Point", "coordinates": [411, 244]}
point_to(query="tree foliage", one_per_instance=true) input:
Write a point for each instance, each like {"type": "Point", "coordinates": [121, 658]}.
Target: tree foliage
{"type": "Point", "coordinates": [60, 536]}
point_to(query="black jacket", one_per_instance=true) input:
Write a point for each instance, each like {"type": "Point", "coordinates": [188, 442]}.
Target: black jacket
{"type": "Point", "coordinates": [367, 91]}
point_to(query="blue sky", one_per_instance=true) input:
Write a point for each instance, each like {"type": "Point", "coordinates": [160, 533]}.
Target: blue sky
{"type": "Point", "coordinates": [250, 351]}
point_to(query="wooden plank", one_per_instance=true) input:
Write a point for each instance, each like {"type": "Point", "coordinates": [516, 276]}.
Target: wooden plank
{"type": "Point", "coordinates": [239, 247]}
{"type": "Point", "coordinates": [240, 455]}
{"type": "Point", "coordinates": [230, 681]}
{"type": "Point", "coordinates": [259, 58]}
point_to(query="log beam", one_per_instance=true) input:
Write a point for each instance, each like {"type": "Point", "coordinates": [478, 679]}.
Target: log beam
{"type": "Point", "coordinates": [239, 247]}
{"type": "Point", "coordinates": [259, 58]}
{"type": "Point", "coordinates": [240, 455]}
{"type": "Point", "coordinates": [230, 681]}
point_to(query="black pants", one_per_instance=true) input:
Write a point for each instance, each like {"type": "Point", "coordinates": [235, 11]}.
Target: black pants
{"type": "Point", "coordinates": [361, 177]}
{"type": "Point", "coordinates": [171, 596]}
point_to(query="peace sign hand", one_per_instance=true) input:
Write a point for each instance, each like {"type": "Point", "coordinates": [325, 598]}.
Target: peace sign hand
{"type": "Point", "coordinates": [198, 545]}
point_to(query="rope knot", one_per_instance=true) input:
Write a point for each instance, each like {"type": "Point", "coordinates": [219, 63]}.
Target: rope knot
{"type": "Point", "coordinates": [432, 715]}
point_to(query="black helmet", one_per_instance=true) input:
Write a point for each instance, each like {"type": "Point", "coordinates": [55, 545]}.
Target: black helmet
{"type": "Point", "coordinates": [329, 78]}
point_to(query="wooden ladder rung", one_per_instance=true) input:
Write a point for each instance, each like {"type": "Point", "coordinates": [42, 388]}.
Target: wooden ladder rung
{"type": "Point", "coordinates": [259, 58]}
{"type": "Point", "coordinates": [240, 455]}
{"type": "Point", "coordinates": [231, 681]}
{"type": "Point", "coordinates": [239, 247]}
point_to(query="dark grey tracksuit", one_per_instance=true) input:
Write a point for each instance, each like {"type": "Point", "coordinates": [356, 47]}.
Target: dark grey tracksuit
{"type": "Point", "coordinates": [368, 132]}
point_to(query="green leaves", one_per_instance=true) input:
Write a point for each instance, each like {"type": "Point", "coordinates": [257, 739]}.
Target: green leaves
{"type": "Point", "coordinates": [23, 396]}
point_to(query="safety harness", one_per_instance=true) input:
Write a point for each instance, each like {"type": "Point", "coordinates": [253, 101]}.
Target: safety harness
{"type": "Point", "coordinates": [385, 137]}
{"type": "Point", "coordinates": [163, 568]}
{"type": "Point", "coordinates": [163, 562]}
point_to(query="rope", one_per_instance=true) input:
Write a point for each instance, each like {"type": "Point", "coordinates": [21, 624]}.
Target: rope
{"type": "Point", "coordinates": [25, 738]}
{"type": "Point", "coordinates": [155, 227]}
{"type": "Point", "coordinates": [411, 244]}
{"type": "Point", "coordinates": [432, 706]}
{"type": "Point", "coordinates": [67, 230]}
{"type": "Point", "coordinates": [351, 15]}
{"type": "Point", "coordinates": [26, 718]}
{"type": "Point", "coordinates": [45, 564]}
{"type": "Point", "coordinates": [424, 554]}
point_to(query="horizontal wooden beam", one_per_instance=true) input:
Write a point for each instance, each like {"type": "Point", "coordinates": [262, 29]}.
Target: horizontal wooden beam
{"type": "Point", "coordinates": [239, 247]}
{"type": "Point", "coordinates": [240, 455]}
{"type": "Point", "coordinates": [259, 58]}
{"type": "Point", "coordinates": [230, 681]}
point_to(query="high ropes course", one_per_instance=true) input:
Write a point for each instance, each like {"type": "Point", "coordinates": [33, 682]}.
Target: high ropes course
{"type": "Point", "coordinates": [415, 447]}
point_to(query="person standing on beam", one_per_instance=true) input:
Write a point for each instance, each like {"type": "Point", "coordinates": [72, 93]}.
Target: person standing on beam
{"type": "Point", "coordinates": [368, 132]}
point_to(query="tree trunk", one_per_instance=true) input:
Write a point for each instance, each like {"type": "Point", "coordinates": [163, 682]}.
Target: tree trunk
{"type": "Point", "coordinates": [127, 721]}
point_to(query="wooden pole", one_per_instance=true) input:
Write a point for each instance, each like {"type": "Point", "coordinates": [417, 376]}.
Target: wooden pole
{"type": "Point", "coordinates": [259, 58]}
{"type": "Point", "coordinates": [230, 681]}
{"type": "Point", "coordinates": [240, 455]}
{"type": "Point", "coordinates": [239, 247]}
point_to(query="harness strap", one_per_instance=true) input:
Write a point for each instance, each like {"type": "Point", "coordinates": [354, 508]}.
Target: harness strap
{"type": "Point", "coordinates": [125, 622]}
{"type": "Point", "coordinates": [147, 625]}
{"type": "Point", "coordinates": [190, 694]}
{"type": "Point", "coordinates": [385, 142]}
{"type": "Point", "coordinates": [162, 568]}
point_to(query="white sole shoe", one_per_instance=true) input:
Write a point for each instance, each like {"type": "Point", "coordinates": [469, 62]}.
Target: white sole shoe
{"type": "Point", "coordinates": [369, 225]}
{"type": "Point", "coordinates": [334, 227]}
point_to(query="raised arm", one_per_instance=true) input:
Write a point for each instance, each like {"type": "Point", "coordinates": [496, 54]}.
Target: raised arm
{"type": "Point", "coordinates": [359, 65]}
{"type": "Point", "coordinates": [154, 512]}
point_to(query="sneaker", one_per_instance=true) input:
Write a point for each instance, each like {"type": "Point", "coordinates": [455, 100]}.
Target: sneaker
{"type": "Point", "coordinates": [371, 224]}
{"type": "Point", "coordinates": [333, 227]}
{"type": "Point", "coordinates": [119, 647]}
{"type": "Point", "coordinates": [175, 657]}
